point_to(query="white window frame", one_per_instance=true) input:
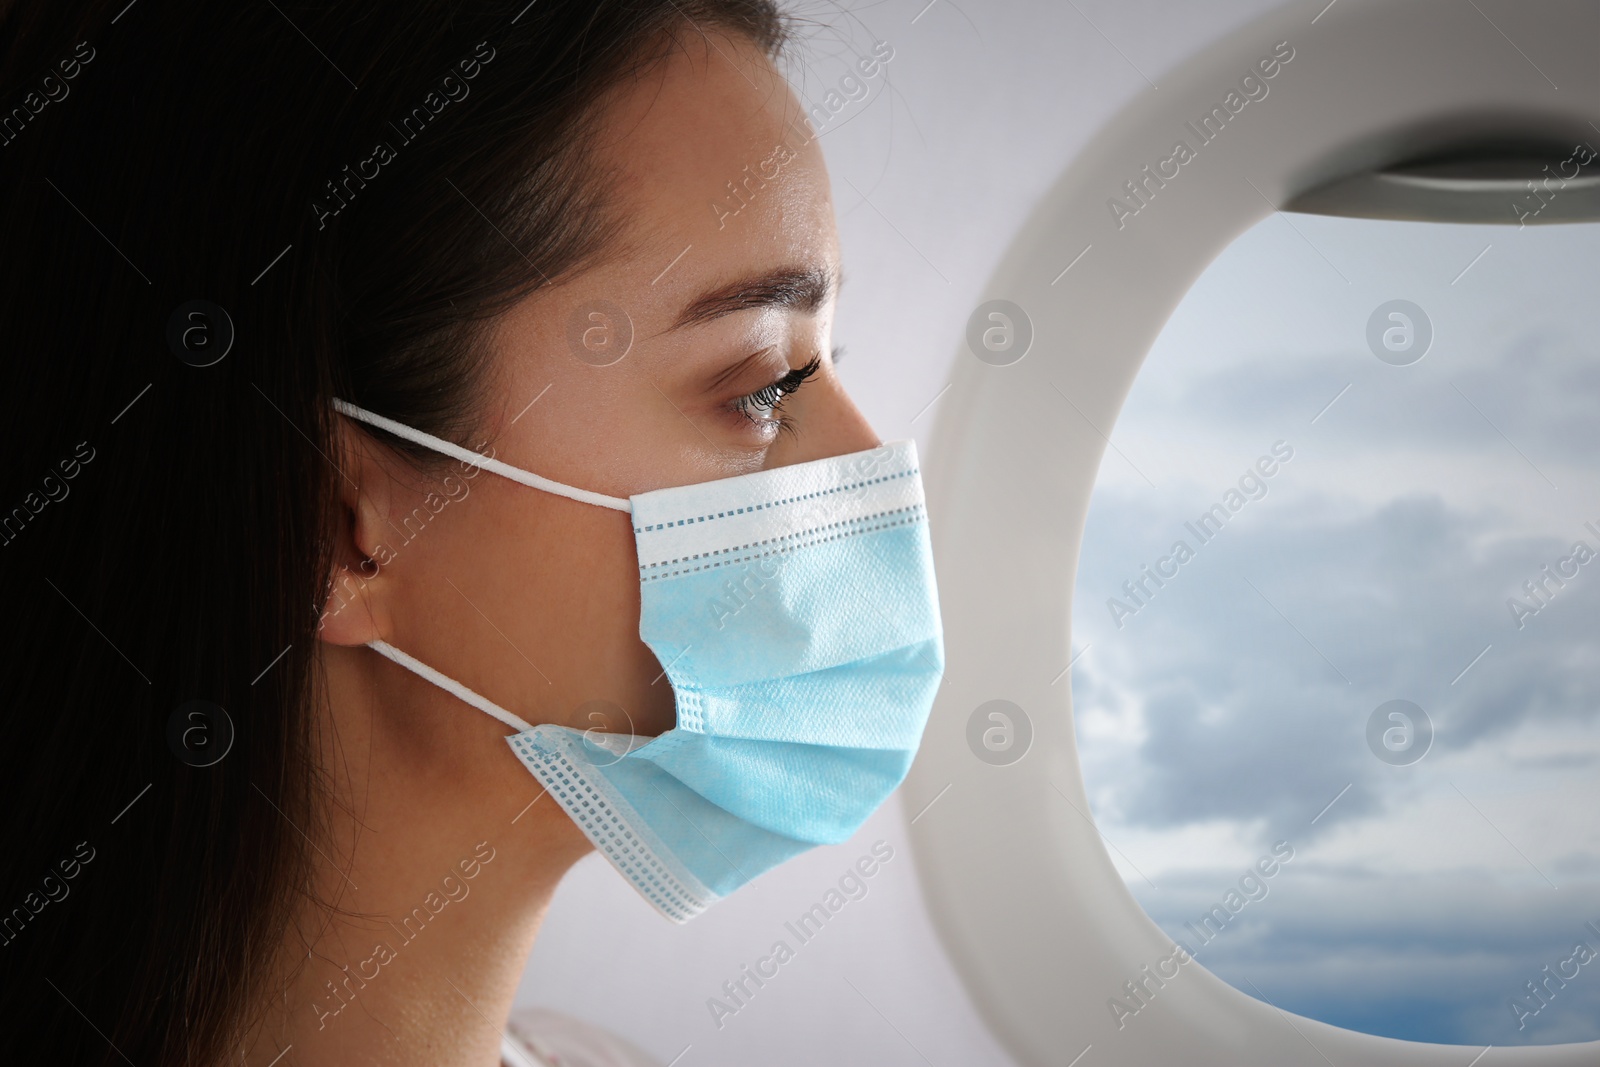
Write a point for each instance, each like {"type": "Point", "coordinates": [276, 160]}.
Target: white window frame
{"type": "Point", "coordinates": [1021, 889]}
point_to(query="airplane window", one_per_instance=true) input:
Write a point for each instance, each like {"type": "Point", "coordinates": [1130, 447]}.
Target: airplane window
{"type": "Point", "coordinates": [1337, 627]}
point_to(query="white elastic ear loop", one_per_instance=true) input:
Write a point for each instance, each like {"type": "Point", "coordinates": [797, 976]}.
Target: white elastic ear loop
{"type": "Point", "coordinates": [505, 470]}
{"type": "Point", "coordinates": [449, 685]}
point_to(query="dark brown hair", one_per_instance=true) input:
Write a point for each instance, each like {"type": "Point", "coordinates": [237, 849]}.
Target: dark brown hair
{"type": "Point", "coordinates": [165, 506]}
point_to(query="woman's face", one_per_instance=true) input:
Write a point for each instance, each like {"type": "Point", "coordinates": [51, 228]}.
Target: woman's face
{"type": "Point", "coordinates": [533, 599]}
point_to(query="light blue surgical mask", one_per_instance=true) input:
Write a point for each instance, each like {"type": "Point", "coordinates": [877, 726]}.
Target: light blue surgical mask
{"type": "Point", "coordinates": [795, 614]}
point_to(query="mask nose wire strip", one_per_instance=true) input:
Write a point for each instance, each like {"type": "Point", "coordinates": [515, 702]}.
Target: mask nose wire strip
{"type": "Point", "coordinates": [505, 470]}
{"type": "Point", "coordinates": [450, 685]}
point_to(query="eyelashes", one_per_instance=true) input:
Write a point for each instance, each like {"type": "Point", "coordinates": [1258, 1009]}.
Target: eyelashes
{"type": "Point", "coordinates": [764, 406]}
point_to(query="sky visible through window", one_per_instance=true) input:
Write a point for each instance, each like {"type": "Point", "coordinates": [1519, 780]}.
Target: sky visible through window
{"type": "Point", "coordinates": [1378, 652]}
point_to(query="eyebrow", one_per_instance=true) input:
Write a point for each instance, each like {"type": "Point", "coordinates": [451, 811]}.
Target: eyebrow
{"type": "Point", "coordinates": [801, 288]}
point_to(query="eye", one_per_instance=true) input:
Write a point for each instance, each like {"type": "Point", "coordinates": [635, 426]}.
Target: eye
{"type": "Point", "coordinates": [762, 407]}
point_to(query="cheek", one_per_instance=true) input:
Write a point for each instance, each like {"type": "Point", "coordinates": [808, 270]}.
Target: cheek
{"type": "Point", "coordinates": [591, 629]}
{"type": "Point", "coordinates": [596, 634]}
{"type": "Point", "coordinates": [544, 609]}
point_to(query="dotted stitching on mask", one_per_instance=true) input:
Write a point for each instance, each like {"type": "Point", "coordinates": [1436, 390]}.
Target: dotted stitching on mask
{"type": "Point", "coordinates": [780, 543]}
{"type": "Point", "coordinates": [774, 503]}
{"type": "Point", "coordinates": [794, 544]}
{"type": "Point", "coordinates": [690, 710]}
{"type": "Point", "coordinates": [578, 796]}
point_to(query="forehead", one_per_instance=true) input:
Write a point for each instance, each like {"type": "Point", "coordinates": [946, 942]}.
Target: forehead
{"type": "Point", "coordinates": [718, 171]}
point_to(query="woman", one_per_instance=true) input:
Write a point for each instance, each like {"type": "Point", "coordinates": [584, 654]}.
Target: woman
{"type": "Point", "coordinates": [297, 296]}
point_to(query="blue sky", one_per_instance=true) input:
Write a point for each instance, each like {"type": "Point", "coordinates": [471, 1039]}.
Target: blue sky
{"type": "Point", "coordinates": [1232, 708]}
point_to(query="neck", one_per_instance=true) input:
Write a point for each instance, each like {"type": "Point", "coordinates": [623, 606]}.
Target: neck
{"type": "Point", "coordinates": [430, 888]}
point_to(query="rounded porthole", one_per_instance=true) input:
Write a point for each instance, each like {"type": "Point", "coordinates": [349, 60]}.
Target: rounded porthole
{"type": "Point", "coordinates": [1336, 692]}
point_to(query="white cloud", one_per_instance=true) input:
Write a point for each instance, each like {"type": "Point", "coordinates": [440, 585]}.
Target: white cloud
{"type": "Point", "coordinates": [1231, 708]}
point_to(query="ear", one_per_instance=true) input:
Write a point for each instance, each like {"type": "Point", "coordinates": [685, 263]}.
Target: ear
{"type": "Point", "coordinates": [355, 609]}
